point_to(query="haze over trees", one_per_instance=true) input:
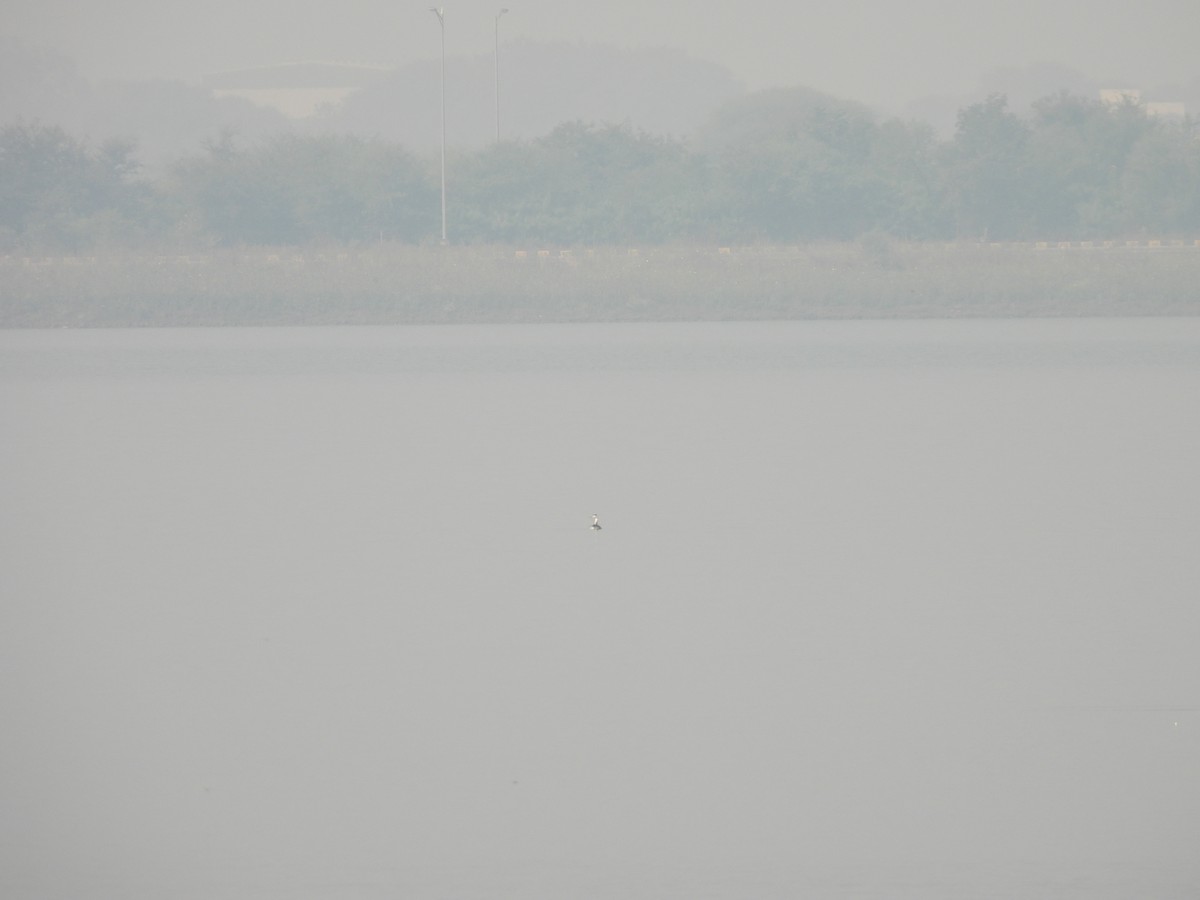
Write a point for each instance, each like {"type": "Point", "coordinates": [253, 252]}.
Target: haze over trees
{"type": "Point", "coordinates": [786, 165]}
{"type": "Point", "coordinates": [544, 85]}
{"type": "Point", "coordinates": [782, 165]}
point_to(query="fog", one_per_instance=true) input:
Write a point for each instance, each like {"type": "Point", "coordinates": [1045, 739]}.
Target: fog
{"type": "Point", "coordinates": [884, 54]}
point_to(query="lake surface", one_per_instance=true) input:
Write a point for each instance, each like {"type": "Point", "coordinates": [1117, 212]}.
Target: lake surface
{"type": "Point", "coordinates": [902, 610]}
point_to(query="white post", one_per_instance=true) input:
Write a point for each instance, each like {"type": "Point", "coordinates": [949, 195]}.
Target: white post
{"type": "Point", "coordinates": [498, 15]}
{"type": "Point", "coordinates": [437, 11]}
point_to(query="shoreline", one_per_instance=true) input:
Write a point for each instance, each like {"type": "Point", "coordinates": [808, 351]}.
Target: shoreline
{"type": "Point", "coordinates": [400, 284]}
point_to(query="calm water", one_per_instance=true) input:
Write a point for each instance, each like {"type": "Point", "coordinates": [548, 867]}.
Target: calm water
{"type": "Point", "coordinates": [902, 610]}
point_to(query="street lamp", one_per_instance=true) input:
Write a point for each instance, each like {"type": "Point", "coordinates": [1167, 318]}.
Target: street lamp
{"type": "Point", "coordinates": [498, 15]}
{"type": "Point", "coordinates": [437, 11]}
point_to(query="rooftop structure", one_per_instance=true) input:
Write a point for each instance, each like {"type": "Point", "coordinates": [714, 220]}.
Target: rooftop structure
{"type": "Point", "coordinates": [1167, 109]}
{"type": "Point", "coordinates": [295, 89]}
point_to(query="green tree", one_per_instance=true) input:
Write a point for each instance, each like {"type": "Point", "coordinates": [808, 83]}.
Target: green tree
{"type": "Point", "coordinates": [579, 184]}
{"type": "Point", "coordinates": [796, 164]}
{"type": "Point", "coordinates": [904, 160]}
{"type": "Point", "coordinates": [986, 173]}
{"type": "Point", "coordinates": [57, 193]}
{"type": "Point", "coordinates": [228, 194]}
{"type": "Point", "coordinates": [295, 190]}
{"type": "Point", "coordinates": [1077, 151]}
{"type": "Point", "coordinates": [498, 196]}
{"type": "Point", "coordinates": [345, 188]}
{"type": "Point", "coordinates": [1160, 187]}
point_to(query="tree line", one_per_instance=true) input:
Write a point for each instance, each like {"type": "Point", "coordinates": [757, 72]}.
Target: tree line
{"type": "Point", "coordinates": [778, 165]}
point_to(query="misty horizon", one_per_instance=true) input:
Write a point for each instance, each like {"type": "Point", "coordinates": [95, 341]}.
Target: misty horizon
{"type": "Point", "coordinates": [885, 58]}
{"type": "Point", "coordinates": [593, 82]}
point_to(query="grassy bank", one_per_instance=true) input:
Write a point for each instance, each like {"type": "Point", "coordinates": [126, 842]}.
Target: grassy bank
{"type": "Point", "coordinates": [395, 284]}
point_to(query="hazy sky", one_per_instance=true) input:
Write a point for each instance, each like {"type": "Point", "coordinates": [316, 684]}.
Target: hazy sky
{"type": "Point", "coordinates": [885, 53]}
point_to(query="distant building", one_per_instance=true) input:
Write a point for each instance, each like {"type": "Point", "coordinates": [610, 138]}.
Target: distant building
{"type": "Point", "coordinates": [1118, 96]}
{"type": "Point", "coordinates": [295, 89]}
{"type": "Point", "coordinates": [1166, 109]}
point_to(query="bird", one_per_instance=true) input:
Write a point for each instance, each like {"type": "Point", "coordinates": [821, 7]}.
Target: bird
{"type": "Point", "coordinates": [595, 522]}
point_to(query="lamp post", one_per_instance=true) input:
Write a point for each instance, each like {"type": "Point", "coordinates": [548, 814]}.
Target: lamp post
{"type": "Point", "coordinates": [498, 15]}
{"type": "Point", "coordinates": [437, 11]}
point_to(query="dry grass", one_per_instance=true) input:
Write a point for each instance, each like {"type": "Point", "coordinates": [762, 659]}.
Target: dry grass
{"type": "Point", "coordinates": [393, 284]}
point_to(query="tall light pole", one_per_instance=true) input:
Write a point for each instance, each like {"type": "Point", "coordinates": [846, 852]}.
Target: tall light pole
{"type": "Point", "coordinates": [437, 11]}
{"type": "Point", "coordinates": [498, 15]}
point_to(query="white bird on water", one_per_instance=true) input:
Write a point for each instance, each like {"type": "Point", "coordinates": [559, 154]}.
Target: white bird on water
{"type": "Point", "coordinates": [595, 522]}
